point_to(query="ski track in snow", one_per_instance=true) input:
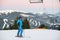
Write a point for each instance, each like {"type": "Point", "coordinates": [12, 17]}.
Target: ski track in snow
{"type": "Point", "coordinates": [30, 34]}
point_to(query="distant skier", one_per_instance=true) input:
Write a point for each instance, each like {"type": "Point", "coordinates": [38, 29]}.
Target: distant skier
{"type": "Point", "coordinates": [20, 30]}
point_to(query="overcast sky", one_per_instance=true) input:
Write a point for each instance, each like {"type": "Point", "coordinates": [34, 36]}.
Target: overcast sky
{"type": "Point", "coordinates": [49, 6]}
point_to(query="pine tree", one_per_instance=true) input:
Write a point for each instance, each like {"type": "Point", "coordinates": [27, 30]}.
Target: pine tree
{"type": "Point", "coordinates": [26, 24]}
{"type": "Point", "coordinates": [14, 26]}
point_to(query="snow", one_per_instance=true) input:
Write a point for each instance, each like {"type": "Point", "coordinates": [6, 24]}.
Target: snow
{"type": "Point", "coordinates": [30, 34]}
{"type": "Point", "coordinates": [6, 11]}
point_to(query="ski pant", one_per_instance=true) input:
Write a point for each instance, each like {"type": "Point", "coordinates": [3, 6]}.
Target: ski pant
{"type": "Point", "coordinates": [20, 31]}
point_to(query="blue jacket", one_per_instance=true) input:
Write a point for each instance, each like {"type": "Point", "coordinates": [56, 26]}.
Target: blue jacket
{"type": "Point", "coordinates": [20, 23]}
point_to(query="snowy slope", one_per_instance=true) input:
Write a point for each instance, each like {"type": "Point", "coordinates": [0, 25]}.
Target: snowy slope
{"type": "Point", "coordinates": [30, 34]}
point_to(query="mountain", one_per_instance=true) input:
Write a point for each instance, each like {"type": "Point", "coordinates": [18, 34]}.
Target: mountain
{"type": "Point", "coordinates": [35, 20]}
